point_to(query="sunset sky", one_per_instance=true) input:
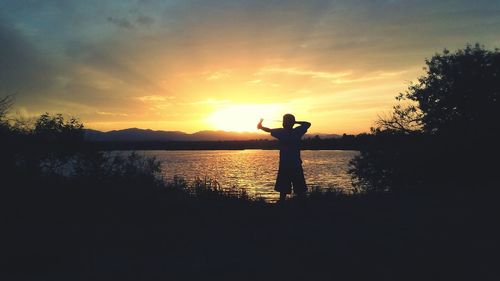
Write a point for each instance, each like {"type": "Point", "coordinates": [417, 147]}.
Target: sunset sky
{"type": "Point", "coordinates": [204, 65]}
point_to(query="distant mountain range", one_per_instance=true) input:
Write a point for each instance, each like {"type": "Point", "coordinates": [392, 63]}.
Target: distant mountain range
{"type": "Point", "coordinates": [135, 134]}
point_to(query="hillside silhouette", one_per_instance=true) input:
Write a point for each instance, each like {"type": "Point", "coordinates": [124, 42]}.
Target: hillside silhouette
{"type": "Point", "coordinates": [135, 134]}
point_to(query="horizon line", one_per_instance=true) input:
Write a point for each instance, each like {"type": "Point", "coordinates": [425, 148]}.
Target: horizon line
{"type": "Point", "coordinates": [214, 130]}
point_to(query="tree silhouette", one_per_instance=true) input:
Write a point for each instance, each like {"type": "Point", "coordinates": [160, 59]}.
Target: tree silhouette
{"type": "Point", "coordinates": [433, 135]}
{"type": "Point", "coordinates": [460, 93]}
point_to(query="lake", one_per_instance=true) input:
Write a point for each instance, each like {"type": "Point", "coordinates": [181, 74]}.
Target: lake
{"type": "Point", "coordinates": [255, 170]}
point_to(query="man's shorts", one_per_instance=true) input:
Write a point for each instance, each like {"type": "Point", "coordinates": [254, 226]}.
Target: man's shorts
{"type": "Point", "coordinates": [289, 176]}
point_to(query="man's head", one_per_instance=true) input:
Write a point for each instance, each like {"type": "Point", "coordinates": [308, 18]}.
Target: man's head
{"type": "Point", "coordinates": [288, 121]}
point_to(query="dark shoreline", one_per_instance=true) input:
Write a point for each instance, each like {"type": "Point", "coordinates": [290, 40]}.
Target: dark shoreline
{"type": "Point", "coordinates": [308, 144]}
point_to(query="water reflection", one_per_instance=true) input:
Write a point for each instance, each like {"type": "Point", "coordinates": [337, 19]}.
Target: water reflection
{"type": "Point", "coordinates": [255, 170]}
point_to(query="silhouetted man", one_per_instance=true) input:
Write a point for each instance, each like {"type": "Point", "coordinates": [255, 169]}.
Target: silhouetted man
{"type": "Point", "coordinates": [290, 168]}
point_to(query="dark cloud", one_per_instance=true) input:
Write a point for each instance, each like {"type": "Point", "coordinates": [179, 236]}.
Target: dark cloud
{"type": "Point", "coordinates": [121, 22]}
{"type": "Point", "coordinates": [113, 59]}
{"type": "Point", "coordinates": [127, 23]}
{"type": "Point", "coordinates": [145, 20]}
{"type": "Point", "coordinates": [23, 67]}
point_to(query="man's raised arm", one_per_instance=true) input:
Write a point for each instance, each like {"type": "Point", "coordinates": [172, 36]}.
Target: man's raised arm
{"type": "Point", "coordinates": [260, 127]}
{"type": "Point", "coordinates": [303, 123]}
{"type": "Point", "coordinates": [302, 129]}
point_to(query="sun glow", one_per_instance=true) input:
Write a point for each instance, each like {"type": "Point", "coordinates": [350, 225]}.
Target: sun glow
{"type": "Point", "coordinates": [244, 118]}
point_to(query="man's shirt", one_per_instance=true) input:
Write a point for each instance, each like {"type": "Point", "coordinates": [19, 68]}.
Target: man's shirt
{"type": "Point", "coordinates": [290, 144]}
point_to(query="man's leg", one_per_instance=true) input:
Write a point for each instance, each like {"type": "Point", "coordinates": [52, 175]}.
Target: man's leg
{"type": "Point", "coordinates": [299, 182]}
{"type": "Point", "coordinates": [283, 183]}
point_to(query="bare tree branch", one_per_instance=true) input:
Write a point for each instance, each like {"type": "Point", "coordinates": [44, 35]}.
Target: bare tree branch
{"type": "Point", "coordinates": [404, 118]}
{"type": "Point", "coordinates": [5, 106]}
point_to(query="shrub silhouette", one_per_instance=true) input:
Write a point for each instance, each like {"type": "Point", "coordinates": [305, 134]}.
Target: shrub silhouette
{"type": "Point", "coordinates": [54, 128]}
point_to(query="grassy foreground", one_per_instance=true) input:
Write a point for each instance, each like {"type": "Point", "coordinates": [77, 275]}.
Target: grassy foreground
{"type": "Point", "coordinates": [107, 230]}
